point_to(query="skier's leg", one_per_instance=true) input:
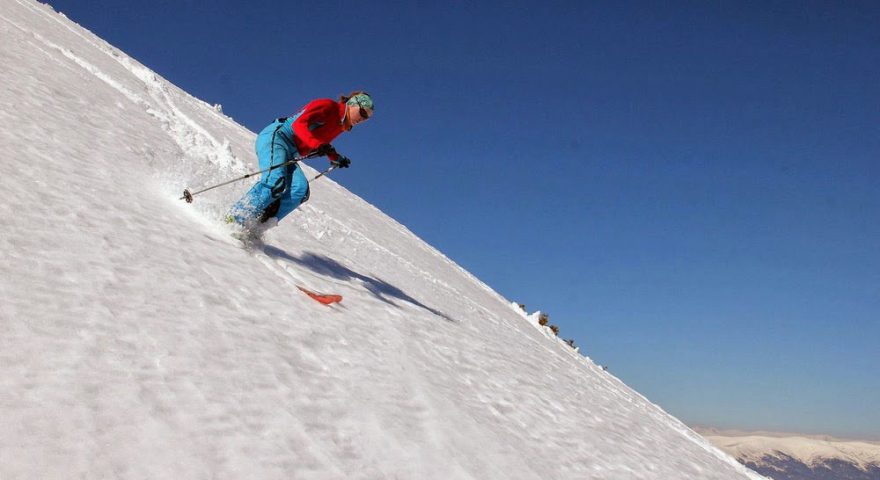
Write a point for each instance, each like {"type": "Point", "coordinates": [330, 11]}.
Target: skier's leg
{"type": "Point", "coordinates": [271, 151]}
{"type": "Point", "coordinates": [298, 193]}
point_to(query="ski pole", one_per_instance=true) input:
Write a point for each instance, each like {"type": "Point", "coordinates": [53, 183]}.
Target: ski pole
{"type": "Point", "coordinates": [188, 195]}
{"type": "Point", "coordinates": [325, 172]}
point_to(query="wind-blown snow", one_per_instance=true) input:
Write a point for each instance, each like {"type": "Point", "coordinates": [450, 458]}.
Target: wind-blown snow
{"type": "Point", "coordinates": [137, 340]}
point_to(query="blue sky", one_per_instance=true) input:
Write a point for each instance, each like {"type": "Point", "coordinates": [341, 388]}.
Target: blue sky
{"type": "Point", "coordinates": [689, 189]}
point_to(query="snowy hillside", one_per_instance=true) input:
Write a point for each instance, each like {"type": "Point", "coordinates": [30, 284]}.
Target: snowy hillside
{"type": "Point", "coordinates": [791, 456]}
{"type": "Point", "coordinates": [139, 341]}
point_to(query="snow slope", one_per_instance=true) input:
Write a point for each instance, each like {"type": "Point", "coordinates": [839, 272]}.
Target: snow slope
{"type": "Point", "coordinates": [138, 341]}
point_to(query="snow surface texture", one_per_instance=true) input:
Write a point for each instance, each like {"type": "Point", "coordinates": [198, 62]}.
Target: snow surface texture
{"type": "Point", "coordinates": [808, 450]}
{"type": "Point", "coordinates": [140, 341]}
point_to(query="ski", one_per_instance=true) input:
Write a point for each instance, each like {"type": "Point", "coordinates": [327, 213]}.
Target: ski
{"type": "Point", "coordinates": [326, 299]}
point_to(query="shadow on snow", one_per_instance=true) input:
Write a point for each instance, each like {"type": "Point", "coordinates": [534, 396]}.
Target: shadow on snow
{"type": "Point", "coordinates": [327, 266]}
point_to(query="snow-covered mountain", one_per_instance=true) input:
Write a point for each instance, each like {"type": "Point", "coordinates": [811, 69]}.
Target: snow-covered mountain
{"type": "Point", "coordinates": [139, 341]}
{"type": "Point", "coordinates": [786, 456]}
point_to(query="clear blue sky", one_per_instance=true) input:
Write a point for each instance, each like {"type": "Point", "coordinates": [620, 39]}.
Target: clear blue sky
{"type": "Point", "coordinates": [689, 189]}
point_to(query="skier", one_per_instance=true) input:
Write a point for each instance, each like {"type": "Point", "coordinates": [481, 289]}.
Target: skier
{"type": "Point", "coordinates": [310, 131]}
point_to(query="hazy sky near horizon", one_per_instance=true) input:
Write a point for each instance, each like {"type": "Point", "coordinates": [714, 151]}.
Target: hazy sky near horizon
{"type": "Point", "coordinates": [688, 189]}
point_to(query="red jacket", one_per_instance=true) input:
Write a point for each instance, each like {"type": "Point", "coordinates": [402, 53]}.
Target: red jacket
{"type": "Point", "coordinates": [319, 122]}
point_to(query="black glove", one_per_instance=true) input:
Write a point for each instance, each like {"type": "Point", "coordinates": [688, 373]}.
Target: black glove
{"type": "Point", "coordinates": [341, 162]}
{"type": "Point", "coordinates": [325, 150]}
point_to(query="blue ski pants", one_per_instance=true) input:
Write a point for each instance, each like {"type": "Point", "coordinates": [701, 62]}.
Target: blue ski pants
{"type": "Point", "coordinates": [280, 190]}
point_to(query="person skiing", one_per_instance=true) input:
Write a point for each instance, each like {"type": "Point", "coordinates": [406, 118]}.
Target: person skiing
{"type": "Point", "coordinates": [281, 190]}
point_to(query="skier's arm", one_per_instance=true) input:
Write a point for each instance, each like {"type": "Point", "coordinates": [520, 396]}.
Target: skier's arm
{"type": "Point", "coordinates": [328, 151]}
{"type": "Point", "coordinates": [336, 159]}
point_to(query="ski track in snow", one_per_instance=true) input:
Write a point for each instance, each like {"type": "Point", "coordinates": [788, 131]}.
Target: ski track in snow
{"type": "Point", "coordinates": [140, 341]}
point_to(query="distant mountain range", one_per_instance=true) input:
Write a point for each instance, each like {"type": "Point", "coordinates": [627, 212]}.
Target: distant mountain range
{"type": "Point", "coordinates": [791, 457]}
